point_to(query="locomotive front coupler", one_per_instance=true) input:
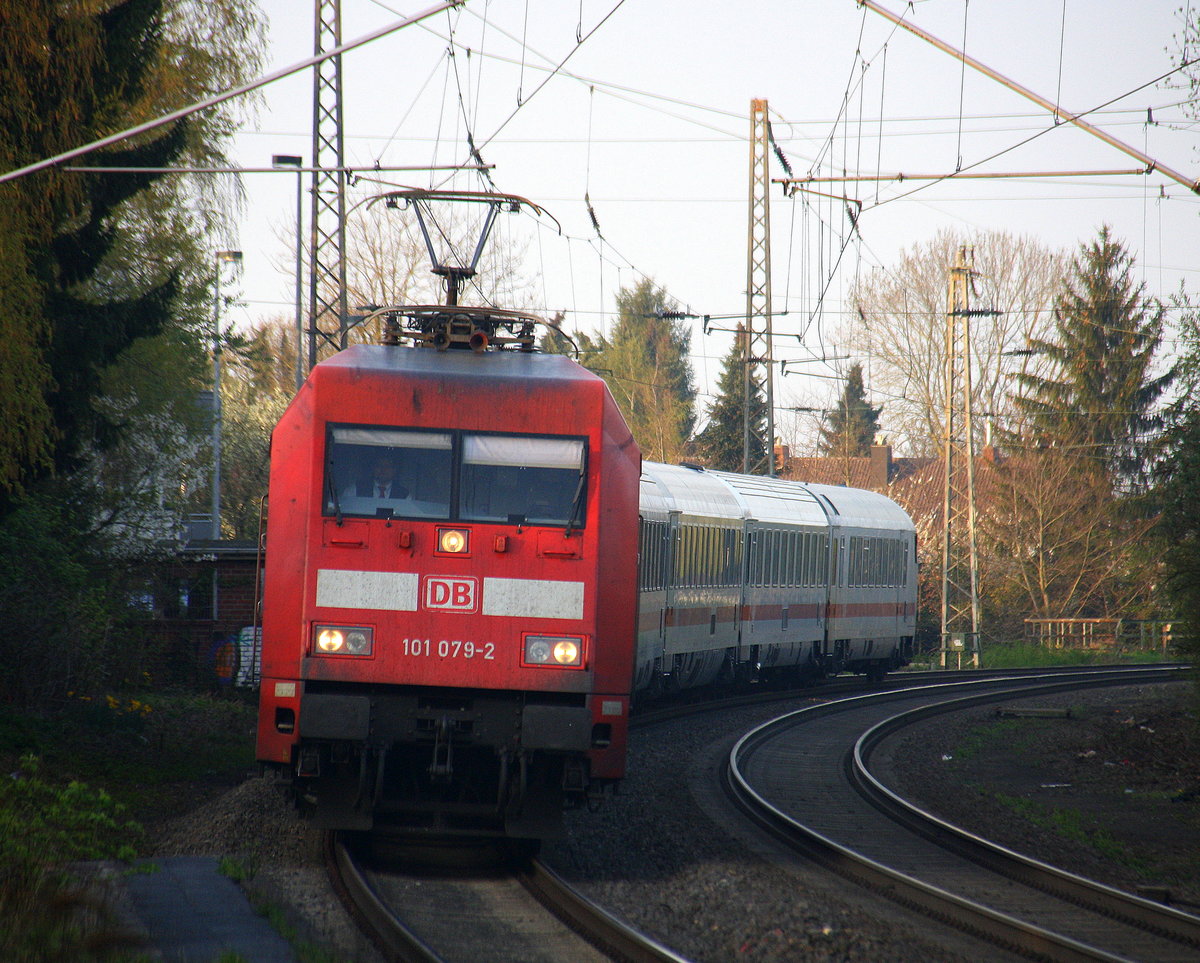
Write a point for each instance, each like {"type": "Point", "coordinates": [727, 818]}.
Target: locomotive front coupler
{"type": "Point", "coordinates": [441, 767]}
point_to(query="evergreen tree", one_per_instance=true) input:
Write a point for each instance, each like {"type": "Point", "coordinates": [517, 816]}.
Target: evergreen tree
{"type": "Point", "coordinates": [96, 71]}
{"type": "Point", "coordinates": [645, 363]}
{"type": "Point", "coordinates": [721, 444]}
{"type": "Point", "coordinates": [95, 262]}
{"type": "Point", "coordinates": [1099, 402]}
{"type": "Point", "coordinates": [1177, 491]}
{"type": "Point", "coordinates": [853, 424]}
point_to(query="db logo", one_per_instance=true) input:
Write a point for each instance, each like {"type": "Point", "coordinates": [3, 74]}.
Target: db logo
{"type": "Point", "coordinates": [450, 594]}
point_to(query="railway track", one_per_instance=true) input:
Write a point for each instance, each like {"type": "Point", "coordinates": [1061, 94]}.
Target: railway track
{"type": "Point", "coordinates": [488, 910]}
{"type": "Point", "coordinates": [841, 814]}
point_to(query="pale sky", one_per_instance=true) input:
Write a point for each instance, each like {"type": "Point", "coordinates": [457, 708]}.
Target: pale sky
{"type": "Point", "coordinates": [649, 117]}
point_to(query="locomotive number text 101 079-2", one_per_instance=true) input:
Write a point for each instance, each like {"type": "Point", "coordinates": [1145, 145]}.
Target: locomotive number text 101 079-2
{"type": "Point", "coordinates": [449, 649]}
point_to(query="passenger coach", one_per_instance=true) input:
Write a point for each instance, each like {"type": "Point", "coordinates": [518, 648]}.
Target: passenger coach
{"type": "Point", "coordinates": [744, 577]}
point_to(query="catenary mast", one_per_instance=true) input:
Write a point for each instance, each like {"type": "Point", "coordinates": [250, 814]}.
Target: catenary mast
{"type": "Point", "coordinates": [328, 318]}
{"type": "Point", "coordinates": [759, 433]}
{"type": "Point", "coordinates": [960, 566]}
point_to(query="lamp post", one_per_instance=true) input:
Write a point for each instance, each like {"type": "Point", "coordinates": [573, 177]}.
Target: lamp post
{"type": "Point", "coordinates": [279, 162]}
{"type": "Point", "coordinates": [223, 258]}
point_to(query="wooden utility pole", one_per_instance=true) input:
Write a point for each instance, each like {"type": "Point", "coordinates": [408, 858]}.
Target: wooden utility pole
{"type": "Point", "coordinates": [960, 563]}
{"type": "Point", "coordinates": [758, 305]}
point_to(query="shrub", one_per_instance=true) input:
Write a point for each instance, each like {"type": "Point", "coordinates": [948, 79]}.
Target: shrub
{"type": "Point", "coordinates": [43, 828]}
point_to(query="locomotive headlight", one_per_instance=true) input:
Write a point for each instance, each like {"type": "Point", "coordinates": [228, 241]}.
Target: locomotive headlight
{"type": "Point", "coordinates": [452, 541]}
{"type": "Point", "coordinates": [330, 640]}
{"type": "Point", "coordinates": [357, 642]}
{"type": "Point", "coordinates": [566, 652]}
{"type": "Point", "coordinates": [554, 651]}
{"type": "Point", "coordinates": [343, 640]}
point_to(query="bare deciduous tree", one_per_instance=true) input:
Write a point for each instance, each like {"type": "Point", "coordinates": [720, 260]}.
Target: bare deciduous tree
{"type": "Point", "coordinates": [899, 321]}
{"type": "Point", "coordinates": [1058, 544]}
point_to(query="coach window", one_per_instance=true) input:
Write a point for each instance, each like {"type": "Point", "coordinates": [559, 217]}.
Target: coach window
{"type": "Point", "coordinates": [658, 542]}
{"type": "Point", "coordinates": [752, 557]}
{"type": "Point", "coordinates": [387, 472]}
{"type": "Point", "coordinates": [523, 480]}
{"type": "Point", "coordinates": [687, 555]}
{"type": "Point", "coordinates": [733, 556]}
{"type": "Point", "coordinates": [648, 559]}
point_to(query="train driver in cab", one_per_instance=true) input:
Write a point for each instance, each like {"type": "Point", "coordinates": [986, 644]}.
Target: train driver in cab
{"type": "Point", "coordinates": [380, 484]}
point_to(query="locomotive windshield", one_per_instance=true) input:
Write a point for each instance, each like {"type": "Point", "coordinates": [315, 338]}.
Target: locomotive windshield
{"type": "Point", "coordinates": [388, 471]}
{"type": "Point", "coordinates": [517, 479]}
{"type": "Point", "coordinates": [461, 476]}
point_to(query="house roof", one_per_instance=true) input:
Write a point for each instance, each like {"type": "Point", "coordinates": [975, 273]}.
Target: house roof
{"type": "Point", "coordinates": [917, 484]}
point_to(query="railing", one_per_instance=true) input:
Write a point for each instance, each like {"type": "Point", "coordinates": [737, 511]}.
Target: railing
{"type": "Point", "coordinates": [1141, 634]}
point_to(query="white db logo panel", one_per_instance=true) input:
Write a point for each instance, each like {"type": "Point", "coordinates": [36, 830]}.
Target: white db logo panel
{"type": "Point", "coordinates": [450, 593]}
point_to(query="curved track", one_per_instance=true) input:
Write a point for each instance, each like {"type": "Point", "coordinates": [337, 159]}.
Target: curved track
{"type": "Point", "coordinates": [811, 784]}
{"type": "Point", "coordinates": [489, 910]}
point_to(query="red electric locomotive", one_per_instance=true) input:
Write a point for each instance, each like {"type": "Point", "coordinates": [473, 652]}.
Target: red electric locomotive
{"type": "Point", "coordinates": [442, 652]}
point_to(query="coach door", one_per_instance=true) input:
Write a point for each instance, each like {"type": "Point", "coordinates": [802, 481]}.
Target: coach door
{"type": "Point", "coordinates": [669, 623]}
{"type": "Point", "coordinates": [835, 602]}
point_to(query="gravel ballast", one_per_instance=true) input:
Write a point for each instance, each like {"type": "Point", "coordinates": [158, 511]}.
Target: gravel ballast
{"type": "Point", "coordinates": [657, 855]}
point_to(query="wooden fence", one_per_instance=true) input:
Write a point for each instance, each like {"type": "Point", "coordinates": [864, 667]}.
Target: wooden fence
{"type": "Point", "coordinates": [1101, 634]}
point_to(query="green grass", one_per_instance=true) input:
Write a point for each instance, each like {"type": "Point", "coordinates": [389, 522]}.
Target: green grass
{"type": "Point", "coordinates": [1073, 825]}
{"type": "Point", "coordinates": [237, 870]}
{"type": "Point", "coordinates": [979, 738]}
{"type": "Point", "coordinates": [241, 871]}
{"type": "Point", "coordinates": [1019, 655]}
{"type": "Point", "coordinates": [1023, 656]}
{"type": "Point", "coordinates": [305, 951]}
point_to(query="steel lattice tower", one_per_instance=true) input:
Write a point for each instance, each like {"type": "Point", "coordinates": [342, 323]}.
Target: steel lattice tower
{"type": "Point", "coordinates": [327, 240]}
{"type": "Point", "coordinates": [960, 567]}
{"type": "Point", "coordinates": [758, 305]}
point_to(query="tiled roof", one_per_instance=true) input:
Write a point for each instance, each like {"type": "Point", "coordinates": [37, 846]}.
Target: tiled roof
{"type": "Point", "coordinates": [916, 484]}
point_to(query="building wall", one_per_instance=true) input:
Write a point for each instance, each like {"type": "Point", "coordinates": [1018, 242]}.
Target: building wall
{"type": "Point", "coordinates": [178, 640]}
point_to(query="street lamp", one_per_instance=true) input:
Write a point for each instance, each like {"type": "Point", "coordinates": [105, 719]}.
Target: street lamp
{"type": "Point", "coordinates": [223, 258]}
{"type": "Point", "coordinates": [279, 162]}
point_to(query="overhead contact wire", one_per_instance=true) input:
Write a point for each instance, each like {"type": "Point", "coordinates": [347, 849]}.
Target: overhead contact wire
{"type": "Point", "coordinates": [1036, 135]}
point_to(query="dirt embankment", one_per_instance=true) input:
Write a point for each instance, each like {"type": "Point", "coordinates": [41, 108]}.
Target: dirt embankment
{"type": "Point", "coordinates": [1106, 784]}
